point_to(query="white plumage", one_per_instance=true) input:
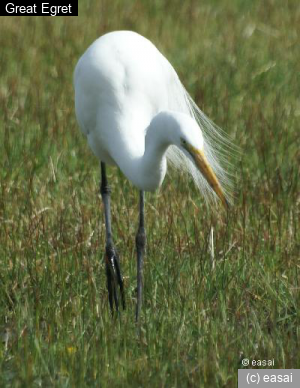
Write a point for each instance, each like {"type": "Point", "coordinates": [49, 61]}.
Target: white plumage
{"type": "Point", "coordinates": [136, 114]}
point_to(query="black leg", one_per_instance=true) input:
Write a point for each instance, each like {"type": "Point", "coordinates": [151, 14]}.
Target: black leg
{"type": "Point", "coordinates": [140, 248]}
{"type": "Point", "coordinates": [113, 272]}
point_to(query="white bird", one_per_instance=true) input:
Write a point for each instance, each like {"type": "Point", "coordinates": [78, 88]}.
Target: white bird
{"type": "Point", "coordinates": [136, 114]}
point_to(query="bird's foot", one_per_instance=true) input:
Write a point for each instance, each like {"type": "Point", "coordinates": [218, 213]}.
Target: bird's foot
{"type": "Point", "coordinates": [114, 278]}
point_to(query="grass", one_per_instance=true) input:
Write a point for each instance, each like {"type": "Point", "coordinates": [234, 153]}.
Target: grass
{"type": "Point", "coordinates": [240, 62]}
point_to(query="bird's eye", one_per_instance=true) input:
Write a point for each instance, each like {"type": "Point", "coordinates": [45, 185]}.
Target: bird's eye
{"type": "Point", "coordinates": [183, 141]}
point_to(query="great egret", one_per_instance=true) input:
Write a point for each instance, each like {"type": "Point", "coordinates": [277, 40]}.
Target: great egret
{"type": "Point", "coordinates": [136, 114]}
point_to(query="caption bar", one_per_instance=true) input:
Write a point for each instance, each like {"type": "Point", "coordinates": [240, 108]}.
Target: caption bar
{"type": "Point", "coordinates": [64, 8]}
{"type": "Point", "coordinates": [281, 378]}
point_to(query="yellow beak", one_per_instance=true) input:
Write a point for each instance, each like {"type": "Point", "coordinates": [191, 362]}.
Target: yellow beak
{"type": "Point", "coordinates": [206, 170]}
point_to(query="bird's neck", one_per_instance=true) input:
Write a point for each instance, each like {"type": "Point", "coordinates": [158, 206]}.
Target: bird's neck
{"type": "Point", "coordinates": [147, 170]}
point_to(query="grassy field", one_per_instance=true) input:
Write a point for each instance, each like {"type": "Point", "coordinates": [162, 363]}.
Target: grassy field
{"type": "Point", "coordinates": [240, 62]}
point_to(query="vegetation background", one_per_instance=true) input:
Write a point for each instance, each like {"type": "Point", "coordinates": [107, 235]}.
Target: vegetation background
{"type": "Point", "coordinates": [203, 311]}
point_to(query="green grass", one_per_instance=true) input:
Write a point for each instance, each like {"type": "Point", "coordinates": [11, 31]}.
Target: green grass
{"type": "Point", "coordinates": [240, 61]}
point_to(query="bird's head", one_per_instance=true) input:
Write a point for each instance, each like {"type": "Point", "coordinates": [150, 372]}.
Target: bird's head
{"type": "Point", "coordinates": [188, 137]}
